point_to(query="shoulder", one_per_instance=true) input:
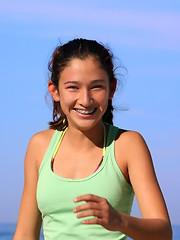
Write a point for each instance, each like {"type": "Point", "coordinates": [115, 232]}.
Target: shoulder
{"type": "Point", "coordinates": [41, 137]}
{"type": "Point", "coordinates": [38, 145]}
{"type": "Point", "coordinates": [130, 150]}
{"type": "Point", "coordinates": [130, 139]}
{"type": "Point", "coordinates": [132, 144]}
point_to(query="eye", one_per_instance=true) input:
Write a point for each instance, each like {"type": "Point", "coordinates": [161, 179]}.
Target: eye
{"type": "Point", "coordinates": [72, 87]}
{"type": "Point", "coordinates": [97, 86]}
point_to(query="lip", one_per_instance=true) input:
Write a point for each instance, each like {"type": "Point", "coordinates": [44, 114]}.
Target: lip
{"type": "Point", "coordinates": [85, 113]}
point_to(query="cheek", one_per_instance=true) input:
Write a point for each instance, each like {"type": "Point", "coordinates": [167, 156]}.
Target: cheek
{"type": "Point", "coordinates": [102, 98]}
{"type": "Point", "coordinates": [66, 100]}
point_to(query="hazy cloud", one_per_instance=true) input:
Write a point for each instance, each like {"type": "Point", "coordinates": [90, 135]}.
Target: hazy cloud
{"type": "Point", "coordinates": [148, 29]}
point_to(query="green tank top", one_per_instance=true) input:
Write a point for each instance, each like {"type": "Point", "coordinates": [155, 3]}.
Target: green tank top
{"type": "Point", "coordinates": [55, 195]}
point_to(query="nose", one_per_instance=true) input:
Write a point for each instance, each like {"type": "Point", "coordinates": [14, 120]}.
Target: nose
{"type": "Point", "coordinates": [85, 98]}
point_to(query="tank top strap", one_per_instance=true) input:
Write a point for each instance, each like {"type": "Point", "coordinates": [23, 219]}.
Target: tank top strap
{"type": "Point", "coordinates": [111, 135]}
{"type": "Point", "coordinates": [51, 148]}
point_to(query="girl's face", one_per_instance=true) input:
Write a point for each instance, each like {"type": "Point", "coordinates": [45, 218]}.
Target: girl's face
{"type": "Point", "coordinates": [83, 92]}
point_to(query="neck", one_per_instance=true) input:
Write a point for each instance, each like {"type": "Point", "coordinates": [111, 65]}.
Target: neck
{"type": "Point", "coordinates": [88, 138]}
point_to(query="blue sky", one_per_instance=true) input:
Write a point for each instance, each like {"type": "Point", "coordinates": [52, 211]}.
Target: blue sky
{"type": "Point", "coordinates": [144, 37]}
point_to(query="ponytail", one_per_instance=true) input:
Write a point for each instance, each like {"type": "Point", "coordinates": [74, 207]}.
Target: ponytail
{"type": "Point", "coordinates": [108, 115]}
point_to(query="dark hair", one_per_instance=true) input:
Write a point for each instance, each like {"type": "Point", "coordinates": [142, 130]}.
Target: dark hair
{"type": "Point", "coordinates": [79, 48]}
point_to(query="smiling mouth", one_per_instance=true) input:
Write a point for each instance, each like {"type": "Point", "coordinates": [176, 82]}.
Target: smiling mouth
{"type": "Point", "coordinates": [86, 112]}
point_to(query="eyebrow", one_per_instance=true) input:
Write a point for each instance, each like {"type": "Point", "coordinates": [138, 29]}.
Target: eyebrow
{"type": "Point", "coordinates": [76, 82]}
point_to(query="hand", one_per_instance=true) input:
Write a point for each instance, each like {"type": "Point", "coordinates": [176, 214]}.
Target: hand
{"type": "Point", "coordinates": [105, 215]}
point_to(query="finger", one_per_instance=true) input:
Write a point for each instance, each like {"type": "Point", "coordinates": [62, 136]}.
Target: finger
{"type": "Point", "coordinates": [92, 221]}
{"type": "Point", "coordinates": [88, 197]}
{"type": "Point", "coordinates": [86, 206]}
{"type": "Point", "coordinates": [94, 213]}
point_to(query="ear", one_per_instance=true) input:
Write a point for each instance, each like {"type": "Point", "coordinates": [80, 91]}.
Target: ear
{"type": "Point", "coordinates": [53, 91]}
{"type": "Point", "coordinates": [112, 88]}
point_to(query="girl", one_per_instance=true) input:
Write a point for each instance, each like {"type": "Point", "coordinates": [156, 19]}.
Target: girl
{"type": "Point", "coordinates": [82, 173]}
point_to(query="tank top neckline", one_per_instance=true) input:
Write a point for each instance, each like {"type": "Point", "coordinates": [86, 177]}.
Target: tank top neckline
{"type": "Point", "coordinates": [59, 133]}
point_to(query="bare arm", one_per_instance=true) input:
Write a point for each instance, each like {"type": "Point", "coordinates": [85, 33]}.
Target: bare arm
{"type": "Point", "coordinates": [29, 221]}
{"type": "Point", "coordinates": [155, 223]}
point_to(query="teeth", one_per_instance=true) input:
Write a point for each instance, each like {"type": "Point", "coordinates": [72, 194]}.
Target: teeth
{"type": "Point", "coordinates": [85, 112]}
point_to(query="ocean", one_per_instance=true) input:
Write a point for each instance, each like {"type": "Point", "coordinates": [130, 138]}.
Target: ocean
{"type": "Point", "coordinates": [7, 231]}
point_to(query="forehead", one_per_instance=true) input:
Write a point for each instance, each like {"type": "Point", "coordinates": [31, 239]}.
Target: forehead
{"type": "Point", "coordinates": [89, 60]}
{"type": "Point", "coordinates": [89, 66]}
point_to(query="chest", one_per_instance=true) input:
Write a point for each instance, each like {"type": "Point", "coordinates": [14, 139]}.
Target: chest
{"type": "Point", "coordinates": [55, 194]}
{"type": "Point", "coordinates": [75, 163]}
